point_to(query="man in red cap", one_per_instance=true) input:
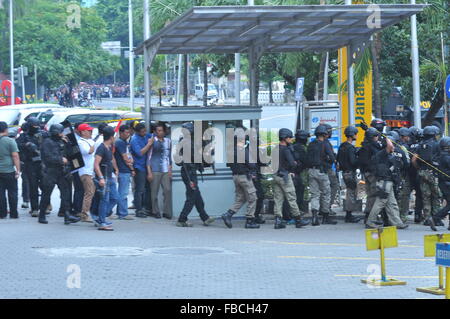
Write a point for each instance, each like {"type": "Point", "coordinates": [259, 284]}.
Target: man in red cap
{"type": "Point", "coordinates": [87, 148]}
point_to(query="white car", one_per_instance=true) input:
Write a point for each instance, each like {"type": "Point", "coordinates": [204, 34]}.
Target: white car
{"type": "Point", "coordinates": [212, 91]}
{"type": "Point", "coordinates": [92, 117]}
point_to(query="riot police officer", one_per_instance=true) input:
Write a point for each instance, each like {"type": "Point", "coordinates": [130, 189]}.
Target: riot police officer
{"type": "Point", "coordinates": [257, 178]}
{"type": "Point", "coordinates": [301, 182]}
{"type": "Point", "coordinates": [320, 156]}
{"type": "Point", "coordinates": [378, 124]}
{"type": "Point", "coordinates": [334, 182]}
{"type": "Point", "coordinates": [405, 191]}
{"type": "Point", "coordinates": [245, 191]}
{"type": "Point", "coordinates": [370, 147]}
{"type": "Point", "coordinates": [428, 152]}
{"type": "Point", "coordinates": [444, 181]}
{"type": "Point", "coordinates": [385, 198]}
{"type": "Point", "coordinates": [29, 146]}
{"type": "Point", "coordinates": [348, 164]}
{"type": "Point", "coordinates": [189, 176]}
{"type": "Point", "coordinates": [414, 140]}
{"type": "Point", "coordinates": [283, 185]}
{"type": "Point", "coordinates": [56, 171]}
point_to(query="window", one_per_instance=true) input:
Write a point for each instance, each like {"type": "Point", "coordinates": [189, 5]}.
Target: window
{"type": "Point", "coordinates": [76, 118]}
{"type": "Point", "coordinates": [95, 119]}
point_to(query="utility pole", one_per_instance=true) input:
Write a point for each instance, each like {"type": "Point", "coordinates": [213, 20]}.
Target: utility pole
{"type": "Point", "coordinates": [148, 97]}
{"type": "Point", "coordinates": [131, 56]}
{"type": "Point", "coordinates": [445, 93]}
{"type": "Point", "coordinates": [11, 51]}
{"type": "Point", "coordinates": [35, 83]}
{"type": "Point", "coordinates": [415, 72]}
{"type": "Point", "coordinates": [350, 82]}
{"type": "Point", "coordinates": [22, 82]}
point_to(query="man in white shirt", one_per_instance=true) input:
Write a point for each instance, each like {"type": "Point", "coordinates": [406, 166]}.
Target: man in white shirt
{"type": "Point", "coordinates": [87, 148]}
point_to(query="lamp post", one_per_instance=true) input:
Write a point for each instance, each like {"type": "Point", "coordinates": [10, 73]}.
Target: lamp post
{"type": "Point", "coordinates": [11, 51]}
{"type": "Point", "coordinates": [131, 50]}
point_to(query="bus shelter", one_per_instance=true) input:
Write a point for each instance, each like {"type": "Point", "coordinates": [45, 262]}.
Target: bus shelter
{"type": "Point", "coordinates": [255, 30]}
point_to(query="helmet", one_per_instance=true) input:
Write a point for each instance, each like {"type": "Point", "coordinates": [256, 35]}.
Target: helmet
{"type": "Point", "coordinates": [436, 129]}
{"type": "Point", "coordinates": [329, 129]}
{"type": "Point", "coordinates": [379, 124]}
{"type": "Point", "coordinates": [444, 143]}
{"type": "Point", "coordinates": [24, 127]}
{"type": "Point", "coordinates": [56, 129]}
{"type": "Point", "coordinates": [403, 131]}
{"type": "Point", "coordinates": [188, 126]}
{"type": "Point", "coordinates": [429, 131]}
{"type": "Point", "coordinates": [302, 135]}
{"type": "Point", "coordinates": [321, 130]}
{"type": "Point", "coordinates": [32, 121]}
{"type": "Point", "coordinates": [393, 135]}
{"type": "Point", "coordinates": [371, 132]}
{"type": "Point", "coordinates": [285, 133]}
{"type": "Point", "coordinates": [414, 131]}
{"type": "Point", "coordinates": [350, 131]}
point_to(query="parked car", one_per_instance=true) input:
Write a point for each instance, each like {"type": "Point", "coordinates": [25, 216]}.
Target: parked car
{"type": "Point", "coordinates": [212, 91]}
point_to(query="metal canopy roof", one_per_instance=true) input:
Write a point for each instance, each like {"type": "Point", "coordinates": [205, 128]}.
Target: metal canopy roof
{"type": "Point", "coordinates": [232, 29]}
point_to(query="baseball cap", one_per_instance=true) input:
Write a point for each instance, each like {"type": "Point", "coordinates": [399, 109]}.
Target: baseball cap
{"type": "Point", "coordinates": [84, 127]}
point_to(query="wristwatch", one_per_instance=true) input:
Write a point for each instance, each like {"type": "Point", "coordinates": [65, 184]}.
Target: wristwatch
{"type": "Point", "coordinates": [101, 177]}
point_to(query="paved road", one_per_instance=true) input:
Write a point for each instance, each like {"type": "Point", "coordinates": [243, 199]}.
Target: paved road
{"type": "Point", "coordinates": [149, 258]}
{"type": "Point", "coordinates": [273, 117]}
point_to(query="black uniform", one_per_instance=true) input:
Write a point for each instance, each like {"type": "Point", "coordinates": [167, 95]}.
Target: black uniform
{"type": "Point", "coordinates": [444, 184]}
{"type": "Point", "coordinates": [55, 172]}
{"type": "Point", "coordinates": [348, 163]}
{"type": "Point", "coordinates": [301, 175]}
{"type": "Point", "coordinates": [415, 184]}
{"type": "Point", "coordinates": [29, 144]}
{"type": "Point", "coordinates": [193, 195]}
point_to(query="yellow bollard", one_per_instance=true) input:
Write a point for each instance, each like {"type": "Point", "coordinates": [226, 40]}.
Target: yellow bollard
{"type": "Point", "coordinates": [447, 283]}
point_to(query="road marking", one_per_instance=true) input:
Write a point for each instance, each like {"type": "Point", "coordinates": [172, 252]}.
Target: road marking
{"type": "Point", "coordinates": [324, 244]}
{"type": "Point", "coordinates": [277, 116]}
{"type": "Point", "coordinates": [416, 277]}
{"type": "Point", "coordinates": [355, 258]}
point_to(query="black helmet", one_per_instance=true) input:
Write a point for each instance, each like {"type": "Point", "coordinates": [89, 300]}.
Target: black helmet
{"type": "Point", "coordinates": [436, 129]}
{"type": "Point", "coordinates": [350, 131]}
{"type": "Point", "coordinates": [302, 135]}
{"type": "Point", "coordinates": [188, 126]}
{"type": "Point", "coordinates": [56, 129]}
{"type": "Point", "coordinates": [285, 133]}
{"type": "Point", "coordinates": [393, 135]}
{"type": "Point", "coordinates": [414, 131]}
{"type": "Point", "coordinates": [329, 129]}
{"type": "Point", "coordinates": [321, 130]}
{"type": "Point", "coordinates": [429, 131]}
{"type": "Point", "coordinates": [403, 131]}
{"type": "Point", "coordinates": [32, 121]}
{"type": "Point", "coordinates": [24, 126]}
{"type": "Point", "coordinates": [379, 124]}
{"type": "Point", "coordinates": [444, 143]}
{"type": "Point", "coordinates": [371, 132]}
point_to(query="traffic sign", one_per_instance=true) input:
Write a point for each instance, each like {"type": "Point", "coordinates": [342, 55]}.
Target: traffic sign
{"type": "Point", "coordinates": [299, 89]}
{"type": "Point", "coordinates": [443, 254]}
{"type": "Point", "coordinates": [447, 86]}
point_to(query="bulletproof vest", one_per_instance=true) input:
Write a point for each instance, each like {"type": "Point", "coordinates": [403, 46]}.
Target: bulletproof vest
{"type": "Point", "coordinates": [426, 152]}
{"type": "Point", "coordinates": [343, 156]}
{"type": "Point", "coordinates": [365, 154]}
{"type": "Point", "coordinates": [315, 153]}
{"type": "Point", "coordinates": [300, 151]}
{"type": "Point", "coordinates": [397, 160]}
{"type": "Point", "coordinates": [239, 168]}
{"type": "Point", "coordinates": [444, 166]}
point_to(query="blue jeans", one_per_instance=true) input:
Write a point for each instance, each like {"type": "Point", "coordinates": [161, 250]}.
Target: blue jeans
{"type": "Point", "coordinates": [108, 201]}
{"type": "Point", "coordinates": [124, 188]}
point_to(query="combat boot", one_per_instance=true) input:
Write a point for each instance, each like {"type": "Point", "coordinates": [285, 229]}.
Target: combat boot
{"type": "Point", "coordinates": [42, 219]}
{"type": "Point", "coordinates": [439, 222]}
{"type": "Point", "coordinates": [259, 219]}
{"type": "Point", "coordinates": [70, 219]}
{"type": "Point", "coordinates": [34, 213]}
{"type": "Point", "coordinates": [227, 218]}
{"type": "Point", "coordinates": [328, 220]}
{"type": "Point", "coordinates": [251, 223]}
{"type": "Point", "coordinates": [315, 218]}
{"type": "Point", "coordinates": [299, 222]}
{"type": "Point", "coordinates": [417, 217]}
{"type": "Point", "coordinates": [279, 223]}
{"type": "Point", "coordinates": [431, 223]}
{"type": "Point", "coordinates": [349, 218]}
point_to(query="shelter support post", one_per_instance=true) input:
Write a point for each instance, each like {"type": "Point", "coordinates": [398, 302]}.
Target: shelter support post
{"type": "Point", "coordinates": [255, 53]}
{"type": "Point", "coordinates": [350, 86]}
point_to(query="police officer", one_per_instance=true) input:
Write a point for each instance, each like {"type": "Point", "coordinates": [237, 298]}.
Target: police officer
{"type": "Point", "coordinates": [29, 146]}
{"type": "Point", "coordinates": [370, 147]}
{"type": "Point", "coordinates": [444, 181]}
{"type": "Point", "coordinates": [56, 171]}
{"type": "Point", "coordinates": [319, 157]}
{"type": "Point", "coordinates": [348, 163]}
{"type": "Point", "coordinates": [283, 184]}
{"type": "Point", "coordinates": [257, 178]}
{"type": "Point", "coordinates": [242, 170]}
{"type": "Point", "coordinates": [405, 191]}
{"type": "Point", "coordinates": [428, 152]}
{"type": "Point", "coordinates": [334, 182]}
{"type": "Point", "coordinates": [414, 140]}
{"type": "Point", "coordinates": [384, 166]}
{"type": "Point", "coordinates": [189, 176]}
{"type": "Point", "coordinates": [378, 124]}
{"type": "Point", "coordinates": [25, 183]}
{"type": "Point", "coordinates": [301, 182]}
